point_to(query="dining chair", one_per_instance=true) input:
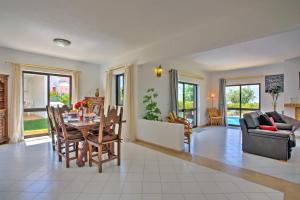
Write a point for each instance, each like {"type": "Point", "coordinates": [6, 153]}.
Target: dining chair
{"type": "Point", "coordinates": [52, 130]}
{"type": "Point", "coordinates": [67, 139]}
{"type": "Point", "coordinates": [109, 134]}
{"type": "Point", "coordinates": [66, 108]}
{"type": "Point", "coordinates": [96, 109]}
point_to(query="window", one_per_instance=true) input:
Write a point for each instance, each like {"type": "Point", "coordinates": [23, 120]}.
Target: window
{"type": "Point", "coordinates": [120, 89]}
{"type": "Point", "coordinates": [187, 101]}
{"type": "Point", "coordinates": [40, 90]}
{"type": "Point", "coordinates": [241, 99]}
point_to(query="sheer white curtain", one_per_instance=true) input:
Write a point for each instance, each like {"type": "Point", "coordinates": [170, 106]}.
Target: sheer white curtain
{"type": "Point", "coordinates": [108, 89]}
{"type": "Point", "coordinates": [16, 129]}
{"type": "Point", "coordinates": [128, 128]}
{"type": "Point", "coordinates": [129, 104]}
{"type": "Point", "coordinates": [75, 86]}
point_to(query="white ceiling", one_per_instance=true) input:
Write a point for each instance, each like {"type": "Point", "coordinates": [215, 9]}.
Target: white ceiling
{"type": "Point", "coordinates": [263, 51]}
{"type": "Point", "coordinates": [145, 30]}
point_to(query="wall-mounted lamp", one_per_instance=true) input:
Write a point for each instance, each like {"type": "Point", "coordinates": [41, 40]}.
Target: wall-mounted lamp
{"type": "Point", "coordinates": [212, 96]}
{"type": "Point", "coordinates": [158, 71]}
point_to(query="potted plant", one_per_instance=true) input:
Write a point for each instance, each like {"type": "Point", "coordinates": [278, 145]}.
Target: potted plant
{"type": "Point", "coordinates": [152, 110]}
{"type": "Point", "coordinates": [275, 92]}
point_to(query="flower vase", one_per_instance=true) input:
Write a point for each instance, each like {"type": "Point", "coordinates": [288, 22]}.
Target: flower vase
{"type": "Point", "coordinates": [81, 113]}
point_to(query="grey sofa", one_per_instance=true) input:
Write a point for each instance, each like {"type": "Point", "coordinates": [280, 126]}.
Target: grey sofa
{"type": "Point", "coordinates": [276, 145]}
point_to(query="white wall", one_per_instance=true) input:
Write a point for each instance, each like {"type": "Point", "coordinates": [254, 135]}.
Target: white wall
{"type": "Point", "coordinates": [290, 69]}
{"type": "Point", "coordinates": [147, 79]}
{"type": "Point", "coordinates": [89, 76]}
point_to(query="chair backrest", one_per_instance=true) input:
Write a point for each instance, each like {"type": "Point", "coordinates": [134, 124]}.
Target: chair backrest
{"type": "Point", "coordinates": [111, 123]}
{"type": "Point", "coordinates": [65, 108]}
{"type": "Point", "coordinates": [213, 112]}
{"type": "Point", "coordinates": [59, 123]}
{"type": "Point", "coordinates": [171, 117]}
{"type": "Point", "coordinates": [96, 109]}
{"type": "Point", "coordinates": [50, 117]}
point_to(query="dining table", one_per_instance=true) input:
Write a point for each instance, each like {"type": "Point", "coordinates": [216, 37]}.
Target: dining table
{"type": "Point", "coordinates": [84, 126]}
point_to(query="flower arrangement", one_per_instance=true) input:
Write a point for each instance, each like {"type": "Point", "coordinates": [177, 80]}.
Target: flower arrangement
{"type": "Point", "coordinates": [83, 103]}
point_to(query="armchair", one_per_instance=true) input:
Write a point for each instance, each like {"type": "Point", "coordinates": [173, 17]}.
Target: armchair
{"type": "Point", "coordinates": [215, 116]}
{"type": "Point", "coordinates": [172, 118]}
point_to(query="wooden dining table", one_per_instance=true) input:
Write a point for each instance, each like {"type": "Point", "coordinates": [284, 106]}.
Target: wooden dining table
{"type": "Point", "coordinates": [84, 127]}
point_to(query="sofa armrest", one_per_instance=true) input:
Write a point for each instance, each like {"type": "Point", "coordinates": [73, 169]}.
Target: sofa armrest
{"type": "Point", "coordinates": [265, 133]}
{"type": "Point", "coordinates": [284, 126]}
{"type": "Point", "coordinates": [295, 123]}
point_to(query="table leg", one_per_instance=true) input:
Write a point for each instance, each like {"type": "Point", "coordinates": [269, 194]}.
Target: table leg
{"type": "Point", "coordinates": [82, 158]}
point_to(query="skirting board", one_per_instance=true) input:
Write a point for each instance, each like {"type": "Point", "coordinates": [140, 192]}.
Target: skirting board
{"type": "Point", "coordinates": [159, 146]}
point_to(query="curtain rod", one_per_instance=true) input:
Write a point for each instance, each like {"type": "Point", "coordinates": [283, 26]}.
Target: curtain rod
{"type": "Point", "coordinates": [190, 75]}
{"type": "Point", "coordinates": [244, 77]}
{"type": "Point", "coordinates": [42, 67]}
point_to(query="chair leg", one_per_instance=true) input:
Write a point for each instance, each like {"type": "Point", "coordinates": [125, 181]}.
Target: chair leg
{"type": "Point", "coordinates": [86, 153]}
{"type": "Point", "coordinates": [90, 155]}
{"type": "Point", "coordinates": [59, 152]}
{"type": "Point", "coordinates": [67, 146]}
{"type": "Point", "coordinates": [189, 142]}
{"type": "Point", "coordinates": [119, 152]}
{"type": "Point", "coordinates": [53, 140]}
{"type": "Point", "coordinates": [100, 159]}
{"type": "Point", "coordinates": [76, 150]}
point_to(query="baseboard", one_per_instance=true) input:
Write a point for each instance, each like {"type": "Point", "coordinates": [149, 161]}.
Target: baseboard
{"type": "Point", "coordinates": [156, 145]}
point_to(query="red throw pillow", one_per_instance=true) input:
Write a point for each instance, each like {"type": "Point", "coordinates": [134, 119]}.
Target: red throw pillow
{"type": "Point", "coordinates": [269, 128]}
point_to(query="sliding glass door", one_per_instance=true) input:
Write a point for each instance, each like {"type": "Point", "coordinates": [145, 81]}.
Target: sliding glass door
{"type": "Point", "coordinates": [40, 90]}
{"type": "Point", "coordinates": [187, 102]}
{"type": "Point", "coordinates": [241, 99]}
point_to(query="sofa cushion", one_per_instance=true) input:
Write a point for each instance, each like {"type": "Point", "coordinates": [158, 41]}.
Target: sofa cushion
{"type": "Point", "coordinates": [251, 120]}
{"type": "Point", "coordinates": [279, 133]}
{"type": "Point", "coordinates": [284, 126]}
{"type": "Point", "coordinates": [264, 120]}
{"type": "Point", "coordinates": [276, 116]}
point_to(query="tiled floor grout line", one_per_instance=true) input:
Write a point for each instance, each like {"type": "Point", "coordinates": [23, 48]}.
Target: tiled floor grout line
{"type": "Point", "coordinates": [291, 190]}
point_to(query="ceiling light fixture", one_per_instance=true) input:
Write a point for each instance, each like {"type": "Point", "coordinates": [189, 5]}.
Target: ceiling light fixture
{"type": "Point", "coordinates": [61, 42]}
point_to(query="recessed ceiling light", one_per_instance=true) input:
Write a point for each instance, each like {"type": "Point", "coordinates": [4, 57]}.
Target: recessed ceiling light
{"type": "Point", "coordinates": [61, 42]}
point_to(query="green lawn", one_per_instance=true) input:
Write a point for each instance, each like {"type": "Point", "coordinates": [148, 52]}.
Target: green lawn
{"type": "Point", "coordinates": [36, 124]}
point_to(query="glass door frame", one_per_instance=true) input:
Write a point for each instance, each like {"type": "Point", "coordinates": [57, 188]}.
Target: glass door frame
{"type": "Point", "coordinates": [48, 75]}
{"type": "Point", "coordinates": [118, 95]}
{"type": "Point", "coordinates": [195, 97]}
{"type": "Point", "coordinates": [240, 109]}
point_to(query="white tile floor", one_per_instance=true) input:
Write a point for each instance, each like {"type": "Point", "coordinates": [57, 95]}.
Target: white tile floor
{"type": "Point", "coordinates": [33, 172]}
{"type": "Point", "coordinates": [224, 144]}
